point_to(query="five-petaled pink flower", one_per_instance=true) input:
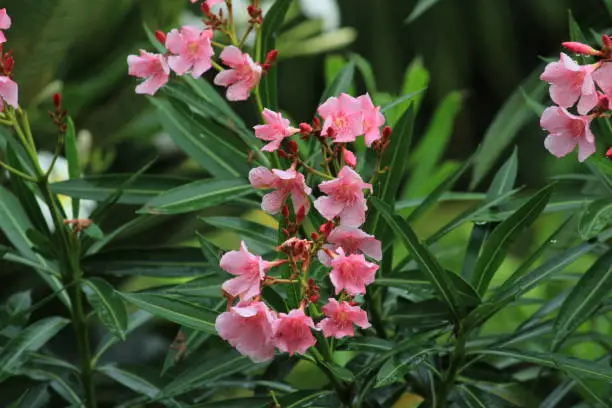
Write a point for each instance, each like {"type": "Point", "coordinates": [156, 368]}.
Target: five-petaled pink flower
{"type": "Point", "coordinates": [352, 241]}
{"type": "Point", "coordinates": [8, 92]}
{"type": "Point", "coordinates": [192, 48]}
{"type": "Point", "coordinates": [250, 271]}
{"type": "Point", "coordinates": [340, 319]}
{"type": "Point", "coordinates": [153, 67]}
{"type": "Point", "coordinates": [5, 24]}
{"type": "Point", "coordinates": [285, 182]}
{"type": "Point", "coordinates": [274, 131]}
{"type": "Point", "coordinates": [343, 115]}
{"type": "Point", "coordinates": [248, 327]}
{"type": "Point", "coordinates": [570, 82]}
{"type": "Point", "coordinates": [566, 131]}
{"type": "Point", "coordinates": [373, 119]}
{"type": "Point", "coordinates": [292, 332]}
{"type": "Point", "coordinates": [242, 78]}
{"type": "Point", "coordinates": [345, 198]}
{"type": "Point", "coordinates": [351, 272]}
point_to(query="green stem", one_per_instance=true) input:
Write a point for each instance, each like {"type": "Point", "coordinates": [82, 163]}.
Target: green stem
{"type": "Point", "coordinates": [16, 172]}
{"type": "Point", "coordinates": [456, 361]}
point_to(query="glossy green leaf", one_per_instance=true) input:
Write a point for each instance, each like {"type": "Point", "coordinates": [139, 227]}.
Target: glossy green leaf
{"type": "Point", "coordinates": [577, 366]}
{"type": "Point", "coordinates": [31, 339]}
{"type": "Point", "coordinates": [135, 320]}
{"type": "Point", "coordinates": [506, 125]}
{"type": "Point", "coordinates": [35, 397]}
{"type": "Point", "coordinates": [496, 247]}
{"type": "Point", "coordinates": [246, 402]}
{"type": "Point", "coordinates": [306, 398]}
{"type": "Point", "coordinates": [504, 179]}
{"type": "Point", "coordinates": [421, 7]}
{"type": "Point", "coordinates": [260, 238]}
{"type": "Point", "coordinates": [595, 218]}
{"type": "Point", "coordinates": [416, 79]}
{"type": "Point", "coordinates": [156, 262]}
{"type": "Point", "coordinates": [62, 381]}
{"type": "Point", "coordinates": [101, 187]}
{"type": "Point", "coordinates": [175, 310]}
{"type": "Point", "coordinates": [269, 31]}
{"type": "Point", "coordinates": [394, 370]}
{"type": "Point", "coordinates": [131, 380]}
{"type": "Point", "coordinates": [474, 397]}
{"type": "Point", "coordinates": [423, 257]}
{"type": "Point", "coordinates": [108, 305]}
{"type": "Point", "coordinates": [197, 196]}
{"type": "Point", "coordinates": [341, 83]}
{"type": "Point", "coordinates": [585, 298]}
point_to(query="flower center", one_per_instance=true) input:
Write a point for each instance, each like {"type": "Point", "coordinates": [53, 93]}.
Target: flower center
{"type": "Point", "coordinates": [193, 48]}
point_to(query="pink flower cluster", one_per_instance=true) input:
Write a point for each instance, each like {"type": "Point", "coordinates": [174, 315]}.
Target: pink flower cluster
{"type": "Point", "coordinates": [251, 326]}
{"type": "Point", "coordinates": [8, 88]}
{"type": "Point", "coordinates": [588, 88]}
{"type": "Point", "coordinates": [190, 51]}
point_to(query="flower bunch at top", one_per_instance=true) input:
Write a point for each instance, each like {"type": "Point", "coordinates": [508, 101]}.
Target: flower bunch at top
{"type": "Point", "coordinates": [588, 88]}
{"type": "Point", "coordinates": [344, 250]}
{"type": "Point", "coordinates": [190, 50]}
{"type": "Point", "coordinates": [8, 88]}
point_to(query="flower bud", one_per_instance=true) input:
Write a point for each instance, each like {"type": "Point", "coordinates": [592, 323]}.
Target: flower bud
{"type": "Point", "coordinates": [386, 133]}
{"type": "Point", "coordinates": [326, 228]}
{"type": "Point", "coordinates": [293, 146]}
{"type": "Point", "coordinates": [607, 41]}
{"type": "Point", "coordinates": [331, 132]}
{"type": "Point", "coordinates": [161, 37]}
{"type": "Point", "coordinates": [349, 157]}
{"type": "Point", "coordinates": [314, 236]}
{"type": "Point", "coordinates": [57, 101]}
{"type": "Point", "coordinates": [282, 154]}
{"type": "Point", "coordinates": [285, 211]}
{"type": "Point", "coordinates": [305, 129]}
{"type": "Point", "coordinates": [580, 48]}
{"type": "Point", "coordinates": [271, 57]}
{"type": "Point", "coordinates": [316, 123]}
{"type": "Point", "coordinates": [7, 64]}
{"type": "Point", "coordinates": [299, 216]}
{"type": "Point", "coordinates": [609, 154]}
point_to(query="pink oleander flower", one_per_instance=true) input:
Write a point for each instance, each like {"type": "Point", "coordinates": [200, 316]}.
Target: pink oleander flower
{"type": "Point", "coordinates": [9, 91]}
{"type": "Point", "coordinates": [242, 78]}
{"type": "Point", "coordinates": [5, 24]}
{"type": "Point", "coordinates": [352, 241]}
{"type": "Point", "coordinates": [343, 115]}
{"type": "Point", "coordinates": [286, 183]}
{"type": "Point", "coordinates": [274, 131]}
{"type": "Point", "coordinates": [349, 158]}
{"type": "Point", "coordinates": [566, 131]}
{"type": "Point", "coordinates": [153, 67]}
{"type": "Point", "coordinates": [344, 199]}
{"type": "Point", "coordinates": [351, 272]}
{"type": "Point", "coordinates": [373, 119]}
{"type": "Point", "coordinates": [192, 48]}
{"type": "Point", "coordinates": [292, 332]}
{"type": "Point", "coordinates": [250, 271]}
{"type": "Point", "coordinates": [340, 319]}
{"type": "Point", "coordinates": [249, 327]}
{"type": "Point", "coordinates": [570, 82]}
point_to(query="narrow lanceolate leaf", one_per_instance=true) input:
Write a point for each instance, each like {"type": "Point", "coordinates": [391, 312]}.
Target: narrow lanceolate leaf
{"type": "Point", "coordinates": [131, 380]}
{"type": "Point", "coordinates": [592, 288]}
{"type": "Point", "coordinates": [72, 156]}
{"type": "Point", "coordinates": [175, 310]}
{"type": "Point", "coordinates": [583, 368]}
{"type": "Point", "coordinates": [260, 238]}
{"type": "Point", "coordinates": [307, 398]}
{"type": "Point", "coordinates": [496, 247]}
{"type": "Point", "coordinates": [197, 196]}
{"type": "Point", "coordinates": [31, 339]}
{"type": "Point", "coordinates": [341, 83]}
{"type": "Point", "coordinates": [35, 397]}
{"type": "Point", "coordinates": [108, 305]}
{"type": "Point", "coordinates": [423, 257]}
{"type": "Point", "coordinates": [269, 31]}
{"type": "Point", "coordinates": [504, 180]}
{"type": "Point", "coordinates": [595, 218]}
{"type": "Point", "coordinates": [100, 188]}
{"type": "Point", "coordinates": [506, 125]}
{"type": "Point", "coordinates": [421, 7]}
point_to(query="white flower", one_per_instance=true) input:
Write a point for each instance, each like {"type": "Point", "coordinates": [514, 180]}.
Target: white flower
{"type": "Point", "coordinates": [60, 173]}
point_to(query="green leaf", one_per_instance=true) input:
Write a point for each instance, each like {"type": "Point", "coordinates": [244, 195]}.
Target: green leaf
{"type": "Point", "coordinates": [62, 381]}
{"type": "Point", "coordinates": [247, 402]}
{"type": "Point", "coordinates": [269, 31]}
{"type": "Point", "coordinates": [496, 247]}
{"type": "Point", "coordinates": [339, 372]}
{"type": "Point", "coordinates": [131, 380]}
{"type": "Point", "coordinates": [197, 196]}
{"type": "Point", "coordinates": [424, 160]}
{"type": "Point", "coordinates": [36, 397]}
{"type": "Point", "coordinates": [260, 238]}
{"type": "Point", "coordinates": [367, 73]}
{"type": "Point", "coordinates": [157, 262]}
{"type": "Point", "coordinates": [424, 258]}
{"type": "Point", "coordinates": [506, 125]}
{"type": "Point", "coordinates": [394, 370]}
{"type": "Point", "coordinates": [421, 7]}
{"type": "Point", "coordinates": [175, 310]}
{"type": "Point", "coordinates": [592, 288]}
{"type": "Point", "coordinates": [341, 83]}
{"type": "Point", "coordinates": [102, 187]}
{"type": "Point", "coordinates": [306, 398]}
{"type": "Point", "coordinates": [504, 179]}
{"type": "Point", "coordinates": [72, 156]}
{"type": "Point", "coordinates": [595, 218]}
{"type": "Point", "coordinates": [476, 398]}
{"type": "Point", "coordinates": [35, 336]}
{"type": "Point", "coordinates": [93, 231]}
{"type": "Point", "coordinates": [576, 366]}
{"type": "Point", "coordinates": [135, 320]}
{"type": "Point", "coordinates": [108, 305]}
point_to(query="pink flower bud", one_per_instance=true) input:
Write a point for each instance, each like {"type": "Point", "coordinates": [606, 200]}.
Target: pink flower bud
{"type": "Point", "coordinates": [580, 48]}
{"type": "Point", "coordinates": [161, 36]}
{"type": "Point", "coordinates": [607, 41]}
{"type": "Point", "coordinates": [305, 129]}
{"type": "Point", "coordinates": [609, 154]}
{"type": "Point", "coordinates": [349, 158]}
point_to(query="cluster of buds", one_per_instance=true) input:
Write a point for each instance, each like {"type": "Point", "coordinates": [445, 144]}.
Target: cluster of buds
{"type": "Point", "coordinates": [9, 90]}
{"type": "Point", "coordinates": [587, 89]}
{"type": "Point", "coordinates": [255, 14]}
{"type": "Point", "coordinates": [58, 115]}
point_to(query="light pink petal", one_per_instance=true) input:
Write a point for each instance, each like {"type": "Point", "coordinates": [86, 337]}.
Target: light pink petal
{"type": "Point", "coordinates": [232, 56]}
{"type": "Point", "coordinates": [200, 67]}
{"type": "Point", "coordinates": [272, 202]}
{"type": "Point", "coordinates": [226, 78]}
{"type": "Point", "coordinates": [266, 132]}
{"type": "Point", "coordinates": [261, 177]}
{"type": "Point", "coordinates": [603, 77]}
{"type": "Point", "coordinates": [328, 108]}
{"type": "Point", "coordinates": [239, 91]}
{"type": "Point", "coordinates": [151, 85]}
{"type": "Point", "coordinates": [349, 104]}
{"type": "Point", "coordinates": [564, 95]}
{"type": "Point", "coordinates": [272, 146]}
{"type": "Point", "coordinates": [354, 215]}
{"type": "Point", "coordinates": [179, 64]}
{"type": "Point", "coordinates": [361, 319]}
{"type": "Point", "coordinates": [285, 175]}
{"type": "Point", "coordinates": [245, 311]}
{"type": "Point", "coordinates": [569, 63]}
{"type": "Point", "coordinates": [372, 248]}
{"type": "Point", "coordinates": [555, 119]}
{"type": "Point", "coordinates": [587, 102]}
{"type": "Point", "coordinates": [559, 145]}
{"type": "Point", "coordinates": [5, 20]}
{"type": "Point", "coordinates": [585, 149]}
{"type": "Point", "coordinates": [300, 199]}
{"type": "Point", "coordinates": [235, 262]}
{"type": "Point", "coordinates": [328, 207]}
{"type": "Point", "coordinates": [245, 286]}
{"type": "Point", "coordinates": [9, 91]}
{"type": "Point", "coordinates": [372, 135]}
{"type": "Point", "coordinates": [2, 37]}
{"type": "Point", "coordinates": [174, 41]}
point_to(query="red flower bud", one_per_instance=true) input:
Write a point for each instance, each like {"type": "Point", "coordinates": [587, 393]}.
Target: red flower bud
{"type": "Point", "coordinates": [609, 154]}
{"type": "Point", "coordinates": [314, 236]}
{"type": "Point", "coordinates": [293, 146]}
{"type": "Point", "coordinates": [285, 211]}
{"type": "Point", "coordinates": [161, 37]}
{"type": "Point", "coordinates": [299, 216]}
{"type": "Point", "coordinates": [282, 154]}
{"type": "Point", "coordinates": [57, 101]}
{"type": "Point", "coordinates": [386, 133]}
{"type": "Point", "coordinates": [326, 228]}
{"type": "Point", "coordinates": [305, 128]}
{"type": "Point", "coordinates": [580, 48]}
{"type": "Point", "coordinates": [316, 123]}
{"type": "Point", "coordinates": [313, 298]}
{"type": "Point", "coordinates": [607, 41]}
{"type": "Point", "coordinates": [7, 64]}
{"type": "Point", "coordinates": [205, 8]}
{"type": "Point", "coordinates": [352, 303]}
{"type": "Point", "coordinates": [271, 57]}
{"type": "Point", "coordinates": [331, 132]}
